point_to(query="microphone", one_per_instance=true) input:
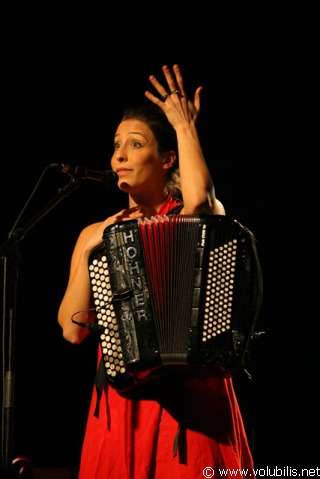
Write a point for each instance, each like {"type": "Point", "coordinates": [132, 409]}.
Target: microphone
{"type": "Point", "coordinates": [108, 178]}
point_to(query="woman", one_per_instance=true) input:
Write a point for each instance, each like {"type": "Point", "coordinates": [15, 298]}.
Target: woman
{"type": "Point", "coordinates": [133, 437]}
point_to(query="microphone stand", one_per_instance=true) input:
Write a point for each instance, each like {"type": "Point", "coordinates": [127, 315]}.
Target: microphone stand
{"type": "Point", "coordinates": [9, 253]}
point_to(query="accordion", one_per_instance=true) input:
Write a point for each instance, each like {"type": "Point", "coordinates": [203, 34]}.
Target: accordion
{"type": "Point", "coordinates": [176, 290]}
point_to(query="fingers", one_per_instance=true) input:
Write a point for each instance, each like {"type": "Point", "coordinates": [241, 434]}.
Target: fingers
{"type": "Point", "coordinates": [178, 83]}
{"type": "Point", "coordinates": [197, 96]}
{"type": "Point", "coordinates": [157, 85]}
{"type": "Point", "coordinates": [174, 85]}
{"type": "Point", "coordinates": [175, 91]}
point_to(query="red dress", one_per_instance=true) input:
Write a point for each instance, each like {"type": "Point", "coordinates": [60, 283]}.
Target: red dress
{"type": "Point", "coordinates": [190, 426]}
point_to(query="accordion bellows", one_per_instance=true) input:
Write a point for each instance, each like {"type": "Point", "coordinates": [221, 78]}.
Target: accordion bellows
{"type": "Point", "coordinates": [175, 290]}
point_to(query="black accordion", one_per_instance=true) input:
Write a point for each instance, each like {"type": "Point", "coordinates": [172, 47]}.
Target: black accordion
{"type": "Point", "coordinates": [175, 290]}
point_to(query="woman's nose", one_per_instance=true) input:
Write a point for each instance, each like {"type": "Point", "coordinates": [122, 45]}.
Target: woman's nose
{"type": "Point", "coordinates": [119, 156]}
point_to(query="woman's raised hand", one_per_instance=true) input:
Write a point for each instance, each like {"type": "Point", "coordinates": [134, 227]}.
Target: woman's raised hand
{"type": "Point", "coordinates": [175, 102]}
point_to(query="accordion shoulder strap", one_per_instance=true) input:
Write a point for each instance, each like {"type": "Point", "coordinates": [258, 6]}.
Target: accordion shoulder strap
{"type": "Point", "coordinates": [176, 210]}
{"type": "Point", "coordinates": [100, 381]}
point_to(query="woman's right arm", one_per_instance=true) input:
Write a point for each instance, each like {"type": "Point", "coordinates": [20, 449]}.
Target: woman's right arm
{"type": "Point", "coordinates": [77, 297]}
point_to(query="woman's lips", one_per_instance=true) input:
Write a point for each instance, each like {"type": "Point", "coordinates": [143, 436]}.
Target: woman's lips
{"type": "Point", "coordinates": [122, 171]}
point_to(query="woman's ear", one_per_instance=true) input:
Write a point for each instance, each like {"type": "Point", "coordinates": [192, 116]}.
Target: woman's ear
{"type": "Point", "coordinates": [169, 159]}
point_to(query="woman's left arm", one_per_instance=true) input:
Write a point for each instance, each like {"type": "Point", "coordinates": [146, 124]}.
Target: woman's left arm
{"type": "Point", "coordinates": [196, 182]}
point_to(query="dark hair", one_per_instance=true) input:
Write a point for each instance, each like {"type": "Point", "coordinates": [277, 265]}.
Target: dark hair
{"type": "Point", "coordinates": [164, 134]}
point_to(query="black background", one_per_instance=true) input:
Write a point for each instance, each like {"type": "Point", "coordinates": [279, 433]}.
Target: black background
{"type": "Point", "coordinates": [66, 76]}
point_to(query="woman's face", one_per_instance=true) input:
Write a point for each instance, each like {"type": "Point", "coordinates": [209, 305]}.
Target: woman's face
{"type": "Point", "coordinates": [136, 160]}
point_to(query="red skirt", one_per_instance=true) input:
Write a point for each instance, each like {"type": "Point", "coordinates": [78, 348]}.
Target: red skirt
{"type": "Point", "coordinates": [185, 424]}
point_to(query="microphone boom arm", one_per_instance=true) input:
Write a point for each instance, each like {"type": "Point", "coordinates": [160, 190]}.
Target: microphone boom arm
{"type": "Point", "coordinates": [19, 233]}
